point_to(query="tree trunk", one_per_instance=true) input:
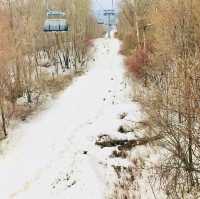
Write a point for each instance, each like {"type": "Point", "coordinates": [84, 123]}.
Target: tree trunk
{"type": "Point", "coordinates": [3, 121]}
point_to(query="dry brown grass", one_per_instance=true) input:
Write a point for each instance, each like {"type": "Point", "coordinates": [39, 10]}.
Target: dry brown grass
{"type": "Point", "coordinates": [49, 86]}
{"type": "Point", "coordinates": [54, 85]}
{"type": "Point", "coordinates": [137, 61]}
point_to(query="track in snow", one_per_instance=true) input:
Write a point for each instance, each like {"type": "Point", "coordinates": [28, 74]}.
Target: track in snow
{"type": "Point", "coordinates": [53, 156]}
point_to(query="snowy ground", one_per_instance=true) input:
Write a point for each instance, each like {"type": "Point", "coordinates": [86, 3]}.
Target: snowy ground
{"type": "Point", "coordinates": [53, 156]}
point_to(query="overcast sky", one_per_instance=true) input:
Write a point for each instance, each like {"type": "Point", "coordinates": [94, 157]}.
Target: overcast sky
{"type": "Point", "coordinates": [106, 4]}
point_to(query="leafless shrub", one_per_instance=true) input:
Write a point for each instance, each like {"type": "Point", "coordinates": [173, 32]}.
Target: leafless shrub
{"type": "Point", "coordinates": [172, 80]}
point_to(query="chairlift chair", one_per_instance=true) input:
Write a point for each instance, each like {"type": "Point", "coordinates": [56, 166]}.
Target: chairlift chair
{"type": "Point", "coordinates": [56, 25]}
{"type": "Point", "coordinates": [100, 22]}
{"type": "Point", "coordinates": [54, 13]}
{"type": "Point", "coordinates": [55, 22]}
{"type": "Point", "coordinates": [110, 12]}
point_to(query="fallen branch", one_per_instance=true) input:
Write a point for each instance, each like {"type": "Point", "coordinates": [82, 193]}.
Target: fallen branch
{"type": "Point", "coordinates": [107, 141]}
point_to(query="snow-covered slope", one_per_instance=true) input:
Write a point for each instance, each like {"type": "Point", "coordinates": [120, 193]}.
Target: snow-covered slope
{"type": "Point", "coordinates": [53, 156]}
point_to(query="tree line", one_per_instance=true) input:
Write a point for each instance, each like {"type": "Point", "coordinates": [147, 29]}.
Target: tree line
{"type": "Point", "coordinates": [25, 49]}
{"type": "Point", "coordinates": [161, 39]}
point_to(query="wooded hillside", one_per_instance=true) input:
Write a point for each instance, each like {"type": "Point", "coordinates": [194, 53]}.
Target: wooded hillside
{"type": "Point", "coordinates": [162, 42]}
{"type": "Point", "coordinates": [33, 62]}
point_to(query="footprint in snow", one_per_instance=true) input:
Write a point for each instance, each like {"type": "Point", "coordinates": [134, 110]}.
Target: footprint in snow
{"type": "Point", "coordinates": [85, 152]}
{"type": "Point", "coordinates": [65, 181]}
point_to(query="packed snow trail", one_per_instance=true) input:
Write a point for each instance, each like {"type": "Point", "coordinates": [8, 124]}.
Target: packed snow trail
{"type": "Point", "coordinates": [53, 156]}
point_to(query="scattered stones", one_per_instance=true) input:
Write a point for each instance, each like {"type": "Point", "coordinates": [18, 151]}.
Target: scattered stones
{"type": "Point", "coordinates": [125, 128]}
{"type": "Point", "coordinates": [72, 184]}
{"type": "Point", "coordinates": [85, 152]}
{"type": "Point", "coordinates": [123, 115]}
{"type": "Point", "coordinates": [103, 163]}
{"type": "Point", "coordinates": [63, 182]}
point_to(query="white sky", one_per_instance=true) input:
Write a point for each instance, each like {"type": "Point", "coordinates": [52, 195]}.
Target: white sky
{"type": "Point", "coordinates": [106, 4]}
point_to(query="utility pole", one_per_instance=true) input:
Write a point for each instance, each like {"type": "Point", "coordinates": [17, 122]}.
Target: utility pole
{"type": "Point", "coordinates": [108, 13]}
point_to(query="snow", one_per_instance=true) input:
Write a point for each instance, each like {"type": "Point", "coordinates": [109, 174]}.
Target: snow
{"type": "Point", "coordinates": [53, 156]}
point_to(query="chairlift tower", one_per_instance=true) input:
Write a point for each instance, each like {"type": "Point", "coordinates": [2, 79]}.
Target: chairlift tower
{"type": "Point", "coordinates": [108, 13]}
